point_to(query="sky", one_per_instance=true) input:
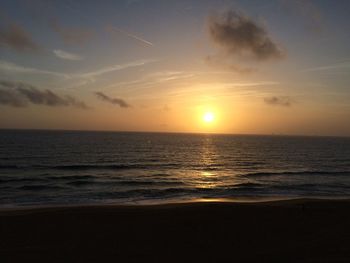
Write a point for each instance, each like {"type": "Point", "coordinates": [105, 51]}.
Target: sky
{"type": "Point", "coordinates": [258, 67]}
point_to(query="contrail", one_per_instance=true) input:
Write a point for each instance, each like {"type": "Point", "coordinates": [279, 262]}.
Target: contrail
{"type": "Point", "coordinates": [111, 28]}
{"type": "Point", "coordinates": [143, 41]}
{"type": "Point", "coordinates": [339, 65]}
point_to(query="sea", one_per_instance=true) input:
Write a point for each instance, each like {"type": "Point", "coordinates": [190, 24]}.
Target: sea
{"type": "Point", "coordinates": [40, 167]}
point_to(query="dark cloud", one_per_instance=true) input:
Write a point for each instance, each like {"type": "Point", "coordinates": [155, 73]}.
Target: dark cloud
{"type": "Point", "coordinates": [279, 101]}
{"type": "Point", "coordinates": [72, 35]}
{"type": "Point", "coordinates": [237, 34]}
{"type": "Point", "coordinates": [19, 94]}
{"type": "Point", "coordinates": [116, 101]}
{"type": "Point", "coordinates": [15, 37]}
{"type": "Point", "coordinates": [76, 103]}
{"type": "Point", "coordinates": [11, 98]}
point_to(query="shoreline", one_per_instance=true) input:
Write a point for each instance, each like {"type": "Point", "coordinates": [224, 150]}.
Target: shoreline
{"type": "Point", "coordinates": [175, 202]}
{"type": "Point", "coordinates": [297, 230]}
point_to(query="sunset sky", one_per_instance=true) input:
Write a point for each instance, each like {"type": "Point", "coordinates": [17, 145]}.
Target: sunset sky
{"type": "Point", "coordinates": [259, 67]}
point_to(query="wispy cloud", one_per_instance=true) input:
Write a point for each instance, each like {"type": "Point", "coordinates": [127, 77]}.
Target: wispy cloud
{"type": "Point", "coordinates": [279, 101]}
{"type": "Point", "coordinates": [115, 68]}
{"type": "Point", "coordinates": [18, 94]}
{"type": "Point", "coordinates": [340, 65]}
{"type": "Point", "coordinates": [8, 66]}
{"type": "Point", "coordinates": [116, 101]}
{"type": "Point", "coordinates": [66, 55]}
{"type": "Point", "coordinates": [15, 37]}
{"type": "Point", "coordinates": [253, 84]}
{"type": "Point", "coordinates": [181, 82]}
{"type": "Point", "coordinates": [88, 76]}
{"type": "Point", "coordinates": [153, 79]}
{"type": "Point", "coordinates": [143, 41]}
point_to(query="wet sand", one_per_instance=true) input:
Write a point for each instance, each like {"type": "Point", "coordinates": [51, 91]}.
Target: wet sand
{"type": "Point", "coordinates": [278, 231]}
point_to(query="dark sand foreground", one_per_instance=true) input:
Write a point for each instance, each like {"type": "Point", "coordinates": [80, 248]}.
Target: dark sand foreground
{"type": "Point", "coordinates": [280, 231]}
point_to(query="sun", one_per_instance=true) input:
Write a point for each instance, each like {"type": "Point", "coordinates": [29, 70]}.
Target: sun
{"type": "Point", "coordinates": [208, 117]}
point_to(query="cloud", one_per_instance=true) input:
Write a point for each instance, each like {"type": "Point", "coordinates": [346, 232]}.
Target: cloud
{"type": "Point", "coordinates": [66, 55]}
{"type": "Point", "coordinates": [72, 35]}
{"type": "Point", "coordinates": [11, 98]}
{"type": "Point", "coordinates": [11, 67]}
{"type": "Point", "coordinates": [14, 37]}
{"type": "Point", "coordinates": [116, 101]}
{"type": "Point", "coordinates": [132, 36]}
{"type": "Point", "coordinates": [115, 68]}
{"type": "Point", "coordinates": [279, 101]}
{"type": "Point", "coordinates": [18, 94]}
{"type": "Point", "coordinates": [237, 34]}
{"type": "Point", "coordinates": [341, 65]}
{"type": "Point", "coordinates": [8, 66]}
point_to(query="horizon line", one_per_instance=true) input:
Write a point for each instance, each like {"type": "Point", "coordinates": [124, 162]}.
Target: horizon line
{"type": "Point", "coordinates": [169, 132]}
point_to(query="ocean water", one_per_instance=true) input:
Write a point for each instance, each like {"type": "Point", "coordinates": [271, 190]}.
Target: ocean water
{"type": "Point", "coordinates": [62, 167]}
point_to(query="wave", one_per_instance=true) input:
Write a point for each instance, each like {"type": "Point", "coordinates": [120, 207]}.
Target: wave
{"type": "Point", "coordinates": [244, 185]}
{"type": "Point", "coordinates": [72, 177]}
{"type": "Point", "coordinates": [304, 173]}
{"type": "Point", "coordinates": [10, 166]}
{"type": "Point", "coordinates": [96, 167]}
{"type": "Point", "coordinates": [134, 182]}
{"type": "Point", "coordinates": [7, 179]}
{"type": "Point", "coordinates": [44, 178]}
{"type": "Point", "coordinates": [89, 166]}
{"type": "Point", "coordinates": [81, 183]}
{"type": "Point", "coordinates": [40, 187]}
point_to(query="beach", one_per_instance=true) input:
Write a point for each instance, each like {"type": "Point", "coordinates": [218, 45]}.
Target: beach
{"type": "Point", "coordinates": [302, 230]}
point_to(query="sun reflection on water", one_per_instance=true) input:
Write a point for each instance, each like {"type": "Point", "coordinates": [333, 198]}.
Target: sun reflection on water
{"type": "Point", "coordinates": [207, 174]}
{"type": "Point", "coordinates": [208, 180]}
{"type": "Point", "coordinates": [208, 153]}
{"type": "Point", "coordinates": [208, 177]}
{"type": "Point", "coordinates": [212, 170]}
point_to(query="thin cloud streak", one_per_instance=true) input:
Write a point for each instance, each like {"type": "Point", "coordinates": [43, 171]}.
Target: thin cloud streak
{"type": "Point", "coordinates": [66, 55]}
{"type": "Point", "coordinates": [137, 38]}
{"type": "Point", "coordinates": [152, 79]}
{"type": "Point", "coordinates": [8, 66]}
{"type": "Point", "coordinates": [183, 85]}
{"type": "Point", "coordinates": [115, 68]}
{"type": "Point", "coordinates": [339, 65]}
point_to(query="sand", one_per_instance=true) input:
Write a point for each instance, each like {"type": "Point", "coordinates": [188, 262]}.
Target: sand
{"type": "Point", "coordinates": [280, 231]}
